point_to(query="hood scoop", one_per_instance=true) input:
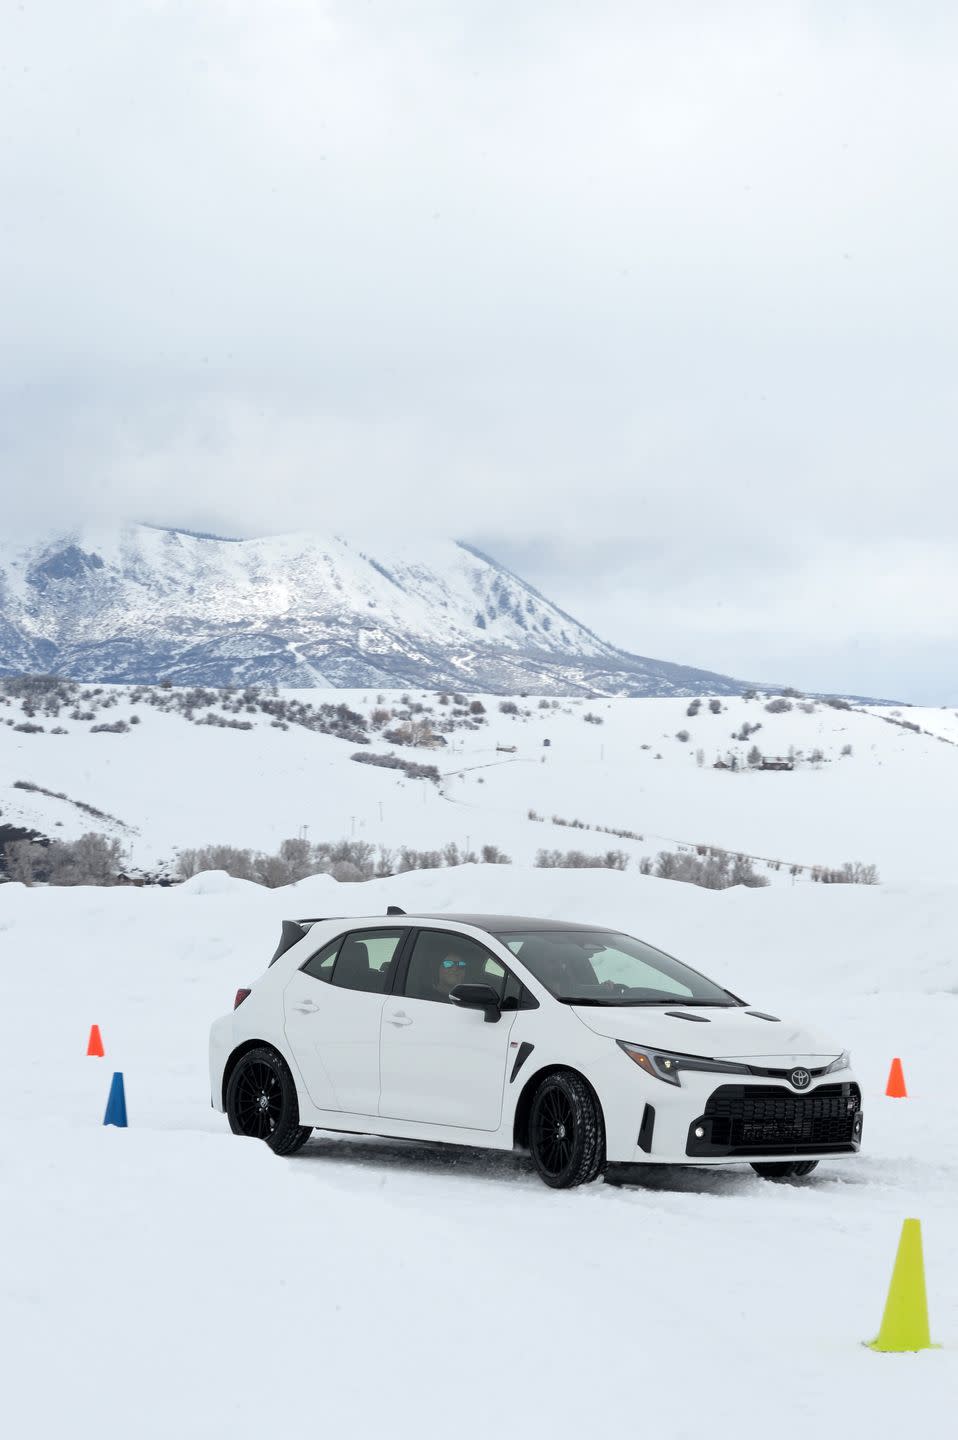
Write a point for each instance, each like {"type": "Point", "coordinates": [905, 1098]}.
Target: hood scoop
{"type": "Point", "coordinates": [681, 1015]}
{"type": "Point", "coordinates": [758, 1015]}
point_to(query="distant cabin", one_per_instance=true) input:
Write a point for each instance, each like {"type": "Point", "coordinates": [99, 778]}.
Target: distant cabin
{"type": "Point", "coordinates": [508, 749]}
{"type": "Point", "coordinates": [777, 762]}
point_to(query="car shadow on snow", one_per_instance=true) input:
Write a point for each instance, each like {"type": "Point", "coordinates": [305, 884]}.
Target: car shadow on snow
{"type": "Point", "coordinates": [414, 1157]}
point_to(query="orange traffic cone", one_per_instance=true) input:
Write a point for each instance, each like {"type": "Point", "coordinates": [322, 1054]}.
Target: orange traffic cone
{"type": "Point", "coordinates": [95, 1044]}
{"type": "Point", "coordinates": [896, 1082]}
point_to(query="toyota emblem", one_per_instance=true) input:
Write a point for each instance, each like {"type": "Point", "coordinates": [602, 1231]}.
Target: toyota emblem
{"type": "Point", "coordinates": [800, 1079]}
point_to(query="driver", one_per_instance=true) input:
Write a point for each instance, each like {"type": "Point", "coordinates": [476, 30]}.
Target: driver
{"type": "Point", "coordinates": [450, 973]}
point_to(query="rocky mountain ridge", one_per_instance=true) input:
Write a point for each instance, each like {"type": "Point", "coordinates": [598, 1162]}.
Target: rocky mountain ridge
{"type": "Point", "coordinates": [141, 604]}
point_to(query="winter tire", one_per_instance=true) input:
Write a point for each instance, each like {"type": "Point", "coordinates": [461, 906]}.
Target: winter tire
{"type": "Point", "coordinates": [261, 1102]}
{"type": "Point", "coordinates": [566, 1135]}
{"type": "Point", "coordinates": [785, 1169]}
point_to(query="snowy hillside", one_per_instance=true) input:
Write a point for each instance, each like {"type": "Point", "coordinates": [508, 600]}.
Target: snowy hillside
{"type": "Point", "coordinates": [142, 604]}
{"type": "Point", "coordinates": [169, 770]}
{"type": "Point", "coordinates": [143, 1260]}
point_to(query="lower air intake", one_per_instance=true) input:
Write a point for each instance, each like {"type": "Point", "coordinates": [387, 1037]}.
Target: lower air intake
{"type": "Point", "coordinates": [768, 1119]}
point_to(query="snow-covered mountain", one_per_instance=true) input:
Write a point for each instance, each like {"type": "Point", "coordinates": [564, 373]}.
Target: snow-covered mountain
{"type": "Point", "coordinates": [141, 604]}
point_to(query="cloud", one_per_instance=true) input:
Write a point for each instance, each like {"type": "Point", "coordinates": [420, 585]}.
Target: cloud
{"type": "Point", "coordinates": [550, 275]}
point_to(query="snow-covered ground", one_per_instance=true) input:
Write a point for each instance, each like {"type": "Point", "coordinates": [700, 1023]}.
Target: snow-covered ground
{"type": "Point", "coordinates": [172, 1279]}
{"type": "Point", "coordinates": [887, 800]}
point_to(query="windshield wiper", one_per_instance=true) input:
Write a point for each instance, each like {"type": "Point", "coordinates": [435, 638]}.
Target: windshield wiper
{"type": "Point", "coordinates": [689, 1004]}
{"type": "Point", "coordinates": [623, 1000]}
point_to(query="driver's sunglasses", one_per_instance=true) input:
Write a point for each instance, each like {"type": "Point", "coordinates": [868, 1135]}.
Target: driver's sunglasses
{"type": "Point", "coordinates": [449, 964]}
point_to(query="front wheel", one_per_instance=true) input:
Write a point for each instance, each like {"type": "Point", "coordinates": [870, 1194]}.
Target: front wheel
{"type": "Point", "coordinates": [261, 1102]}
{"type": "Point", "coordinates": [785, 1169]}
{"type": "Point", "coordinates": [566, 1135]}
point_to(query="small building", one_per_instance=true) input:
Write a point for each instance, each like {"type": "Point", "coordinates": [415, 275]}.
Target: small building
{"type": "Point", "coordinates": [777, 762]}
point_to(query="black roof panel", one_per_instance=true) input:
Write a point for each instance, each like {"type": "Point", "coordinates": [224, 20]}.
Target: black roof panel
{"type": "Point", "coordinates": [495, 924]}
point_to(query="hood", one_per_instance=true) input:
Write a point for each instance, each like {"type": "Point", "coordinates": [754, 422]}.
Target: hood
{"type": "Point", "coordinates": [717, 1033]}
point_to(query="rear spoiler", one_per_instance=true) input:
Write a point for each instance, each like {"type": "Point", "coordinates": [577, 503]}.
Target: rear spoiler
{"type": "Point", "coordinates": [293, 931]}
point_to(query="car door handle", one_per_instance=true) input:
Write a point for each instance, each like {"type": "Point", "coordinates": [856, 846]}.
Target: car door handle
{"type": "Point", "coordinates": [308, 1007]}
{"type": "Point", "coordinates": [400, 1018]}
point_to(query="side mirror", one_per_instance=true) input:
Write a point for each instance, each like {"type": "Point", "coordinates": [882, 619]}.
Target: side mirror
{"type": "Point", "coordinates": [477, 997]}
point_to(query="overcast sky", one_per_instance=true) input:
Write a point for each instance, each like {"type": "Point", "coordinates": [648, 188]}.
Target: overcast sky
{"type": "Point", "coordinates": [654, 302]}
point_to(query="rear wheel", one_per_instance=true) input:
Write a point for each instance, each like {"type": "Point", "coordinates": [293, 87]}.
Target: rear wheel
{"type": "Point", "coordinates": [261, 1102]}
{"type": "Point", "coordinates": [785, 1169]}
{"type": "Point", "coordinates": [566, 1135]}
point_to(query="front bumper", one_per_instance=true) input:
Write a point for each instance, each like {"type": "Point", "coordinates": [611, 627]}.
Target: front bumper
{"type": "Point", "coordinates": [757, 1119]}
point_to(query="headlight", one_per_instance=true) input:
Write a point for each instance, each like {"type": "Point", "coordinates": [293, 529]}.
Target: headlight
{"type": "Point", "coordinates": [665, 1065]}
{"type": "Point", "coordinates": [844, 1062]}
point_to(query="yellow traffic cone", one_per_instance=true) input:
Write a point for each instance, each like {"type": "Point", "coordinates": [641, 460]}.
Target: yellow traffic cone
{"type": "Point", "coordinates": [904, 1324]}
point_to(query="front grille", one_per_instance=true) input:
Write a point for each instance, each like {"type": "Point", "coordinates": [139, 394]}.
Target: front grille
{"type": "Point", "coordinates": [763, 1119]}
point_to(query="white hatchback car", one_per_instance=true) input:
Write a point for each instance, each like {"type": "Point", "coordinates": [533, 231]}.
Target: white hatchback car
{"type": "Point", "coordinates": [584, 1045]}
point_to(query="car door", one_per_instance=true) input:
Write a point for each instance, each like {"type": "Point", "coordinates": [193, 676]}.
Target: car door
{"type": "Point", "coordinates": [333, 1008]}
{"type": "Point", "coordinates": [438, 1063]}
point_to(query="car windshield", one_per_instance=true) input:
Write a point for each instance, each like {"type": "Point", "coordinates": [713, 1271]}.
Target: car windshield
{"type": "Point", "coordinates": [602, 967]}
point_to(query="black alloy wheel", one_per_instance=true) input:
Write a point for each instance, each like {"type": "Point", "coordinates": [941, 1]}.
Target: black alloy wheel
{"type": "Point", "coordinates": [785, 1169]}
{"type": "Point", "coordinates": [566, 1135]}
{"type": "Point", "coordinates": [261, 1102]}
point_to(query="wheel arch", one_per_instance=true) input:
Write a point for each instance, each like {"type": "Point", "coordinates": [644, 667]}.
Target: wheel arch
{"type": "Point", "coordinates": [520, 1122]}
{"type": "Point", "coordinates": [244, 1048]}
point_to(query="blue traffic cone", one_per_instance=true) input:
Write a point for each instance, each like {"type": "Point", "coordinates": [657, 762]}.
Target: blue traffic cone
{"type": "Point", "coordinates": [116, 1104]}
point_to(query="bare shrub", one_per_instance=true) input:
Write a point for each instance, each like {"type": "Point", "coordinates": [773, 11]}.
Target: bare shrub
{"type": "Point", "coordinates": [410, 768]}
{"type": "Point", "coordinates": [715, 870]}
{"type": "Point", "coordinates": [492, 855]}
{"type": "Point", "coordinates": [416, 732]}
{"type": "Point", "coordinates": [682, 736]}
{"type": "Point", "coordinates": [410, 859]}
{"type": "Point", "coordinates": [21, 861]}
{"type": "Point", "coordinates": [92, 860]}
{"type": "Point", "coordinates": [578, 860]}
{"type": "Point", "coordinates": [82, 805]}
{"type": "Point", "coordinates": [853, 872]}
{"type": "Point", "coordinates": [778, 706]}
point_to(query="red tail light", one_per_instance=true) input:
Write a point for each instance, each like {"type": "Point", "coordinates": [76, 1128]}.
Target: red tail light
{"type": "Point", "coordinates": [240, 997]}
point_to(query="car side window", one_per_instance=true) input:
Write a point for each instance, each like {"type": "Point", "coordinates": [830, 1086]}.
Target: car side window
{"type": "Point", "coordinates": [364, 959]}
{"type": "Point", "coordinates": [441, 960]}
{"type": "Point", "coordinates": [320, 965]}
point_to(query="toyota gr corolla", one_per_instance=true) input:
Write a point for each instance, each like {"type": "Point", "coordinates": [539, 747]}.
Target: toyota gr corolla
{"type": "Point", "coordinates": [585, 1046]}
